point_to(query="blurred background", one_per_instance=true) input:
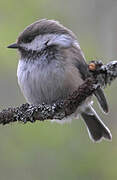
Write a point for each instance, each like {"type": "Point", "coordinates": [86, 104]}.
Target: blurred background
{"type": "Point", "coordinates": [45, 150]}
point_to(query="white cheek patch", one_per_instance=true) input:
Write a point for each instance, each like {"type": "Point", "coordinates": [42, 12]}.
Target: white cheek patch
{"type": "Point", "coordinates": [62, 40]}
{"type": "Point", "coordinates": [42, 41]}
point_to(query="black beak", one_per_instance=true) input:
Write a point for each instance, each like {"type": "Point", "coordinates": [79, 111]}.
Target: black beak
{"type": "Point", "coordinates": [14, 46]}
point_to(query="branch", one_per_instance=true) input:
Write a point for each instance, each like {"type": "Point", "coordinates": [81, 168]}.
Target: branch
{"type": "Point", "coordinates": [100, 75]}
{"type": "Point", "coordinates": [58, 110]}
{"type": "Point", "coordinates": [103, 74]}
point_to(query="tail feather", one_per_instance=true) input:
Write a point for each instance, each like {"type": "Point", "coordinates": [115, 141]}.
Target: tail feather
{"type": "Point", "coordinates": [96, 128]}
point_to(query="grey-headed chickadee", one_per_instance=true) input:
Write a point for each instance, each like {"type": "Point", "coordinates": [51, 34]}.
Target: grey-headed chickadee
{"type": "Point", "coordinates": [52, 66]}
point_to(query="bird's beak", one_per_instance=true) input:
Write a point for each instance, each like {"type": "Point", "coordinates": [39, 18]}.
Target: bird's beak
{"type": "Point", "coordinates": [14, 46]}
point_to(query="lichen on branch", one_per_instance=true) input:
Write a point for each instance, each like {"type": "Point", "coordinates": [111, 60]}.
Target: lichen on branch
{"type": "Point", "coordinates": [100, 75]}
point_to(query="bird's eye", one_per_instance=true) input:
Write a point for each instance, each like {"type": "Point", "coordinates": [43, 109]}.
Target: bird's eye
{"type": "Point", "coordinates": [28, 39]}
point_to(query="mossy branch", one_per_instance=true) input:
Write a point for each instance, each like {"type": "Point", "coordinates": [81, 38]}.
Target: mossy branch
{"type": "Point", "coordinates": [100, 75]}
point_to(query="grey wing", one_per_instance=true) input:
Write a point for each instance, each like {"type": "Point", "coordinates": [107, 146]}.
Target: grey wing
{"type": "Point", "coordinates": [101, 99]}
{"type": "Point", "coordinates": [82, 66]}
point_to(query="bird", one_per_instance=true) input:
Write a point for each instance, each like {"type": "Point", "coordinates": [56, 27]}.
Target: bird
{"type": "Point", "coordinates": [52, 66]}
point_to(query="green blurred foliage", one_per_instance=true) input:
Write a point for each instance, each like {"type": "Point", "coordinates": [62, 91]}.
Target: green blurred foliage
{"type": "Point", "coordinates": [45, 150]}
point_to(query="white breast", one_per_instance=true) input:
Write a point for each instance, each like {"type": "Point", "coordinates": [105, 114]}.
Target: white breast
{"type": "Point", "coordinates": [40, 83]}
